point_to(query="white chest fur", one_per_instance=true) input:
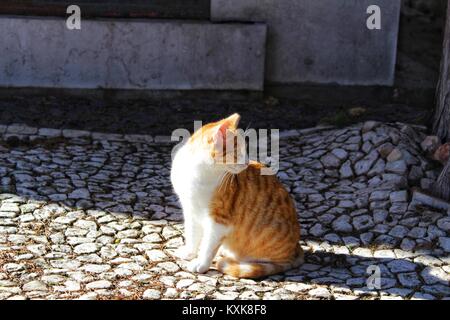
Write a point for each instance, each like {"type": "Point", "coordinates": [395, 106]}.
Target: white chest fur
{"type": "Point", "coordinates": [194, 179]}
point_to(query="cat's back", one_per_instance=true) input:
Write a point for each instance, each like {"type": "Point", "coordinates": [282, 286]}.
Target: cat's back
{"type": "Point", "coordinates": [261, 213]}
{"type": "Point", "coordinates": [250, 193]}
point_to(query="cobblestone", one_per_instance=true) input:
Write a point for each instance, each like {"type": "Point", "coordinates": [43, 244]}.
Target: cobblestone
{"type": "Point", "coordinates": [90, 215]}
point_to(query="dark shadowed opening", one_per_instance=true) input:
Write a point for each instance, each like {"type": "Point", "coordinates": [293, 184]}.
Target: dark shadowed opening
{"type": "Point", "coordinates": [177, 9]}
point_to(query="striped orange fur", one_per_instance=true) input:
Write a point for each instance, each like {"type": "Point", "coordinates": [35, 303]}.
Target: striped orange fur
{"type": "Point", "coordinates": [265, 231]}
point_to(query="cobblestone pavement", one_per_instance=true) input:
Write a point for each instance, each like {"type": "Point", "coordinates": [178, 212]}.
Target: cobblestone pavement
{"type": "Point", "coordinates": [93, 216]}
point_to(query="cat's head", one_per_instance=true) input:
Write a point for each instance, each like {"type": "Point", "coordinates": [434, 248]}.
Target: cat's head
{"type": "Point", "coordinates": [221, 144]}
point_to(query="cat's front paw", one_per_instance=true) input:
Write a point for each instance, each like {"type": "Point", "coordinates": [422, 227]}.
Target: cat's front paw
{"type": "Point", "coordinates": [185, 253]}
{"type": "Point", "coordinates": [198, 266]}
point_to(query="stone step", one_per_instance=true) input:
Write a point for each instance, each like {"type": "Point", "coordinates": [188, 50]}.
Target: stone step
{"type": "Point", "coordinates": [131, 54]}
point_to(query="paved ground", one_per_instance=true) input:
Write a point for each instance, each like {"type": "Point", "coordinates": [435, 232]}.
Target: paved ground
{"type": "Point", "coordinates": [93, 216]}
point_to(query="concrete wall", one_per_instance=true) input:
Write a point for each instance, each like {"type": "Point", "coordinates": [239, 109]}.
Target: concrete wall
{"type": "Point", "coordinates": [321, 41]}
{"type": "Point", "coordinates": [305, 41]}
{"type": "Point", "coordinates": [130, 54]}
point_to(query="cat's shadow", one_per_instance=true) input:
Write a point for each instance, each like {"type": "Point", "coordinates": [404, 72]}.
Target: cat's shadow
{"type": "Point", "coordinates": [369, 276]}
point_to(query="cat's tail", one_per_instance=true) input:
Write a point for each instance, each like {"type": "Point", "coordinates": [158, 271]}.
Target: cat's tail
{"type": "Point", "coordinates": [255, 270]}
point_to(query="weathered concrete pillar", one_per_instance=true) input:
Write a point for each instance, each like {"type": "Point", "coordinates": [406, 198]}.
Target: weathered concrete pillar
{"type": "Point", "coordinates": [322, 41]}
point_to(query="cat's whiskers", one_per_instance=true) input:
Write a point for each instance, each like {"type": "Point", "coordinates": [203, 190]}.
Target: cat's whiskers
{"type": "Point", "coordinates": [226, 181]}
{"type": "Point", "coordinates": [223, 180]}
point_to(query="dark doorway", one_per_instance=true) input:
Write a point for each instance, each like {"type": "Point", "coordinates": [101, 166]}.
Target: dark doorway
{"type": "Point", "coordinates": [177, 9]}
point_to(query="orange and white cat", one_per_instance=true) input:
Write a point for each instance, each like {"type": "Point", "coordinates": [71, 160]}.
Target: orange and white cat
{"type": "Point", "coordinates": [231, 206]}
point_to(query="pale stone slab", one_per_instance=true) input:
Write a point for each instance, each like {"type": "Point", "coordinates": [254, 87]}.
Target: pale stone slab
{"type": "Point", "coordinates": [322, 41]}
{"type": "Point", "coordinates": [131, 54]}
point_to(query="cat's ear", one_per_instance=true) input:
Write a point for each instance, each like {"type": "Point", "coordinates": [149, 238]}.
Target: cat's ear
{"type": "Point", "coordinates": [232, 121]}
{"type": "Point", "coordinates": [229, 123]}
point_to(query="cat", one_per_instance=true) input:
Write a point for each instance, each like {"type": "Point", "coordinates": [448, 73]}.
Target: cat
{"type": "Point", "coordinates": [231, 206]}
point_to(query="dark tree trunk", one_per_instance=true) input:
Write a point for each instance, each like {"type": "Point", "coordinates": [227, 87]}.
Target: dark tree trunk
{"type": "Point", "coordinates": [441, 125]}
{"type": "Point", "coordinates": [442, 186]}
